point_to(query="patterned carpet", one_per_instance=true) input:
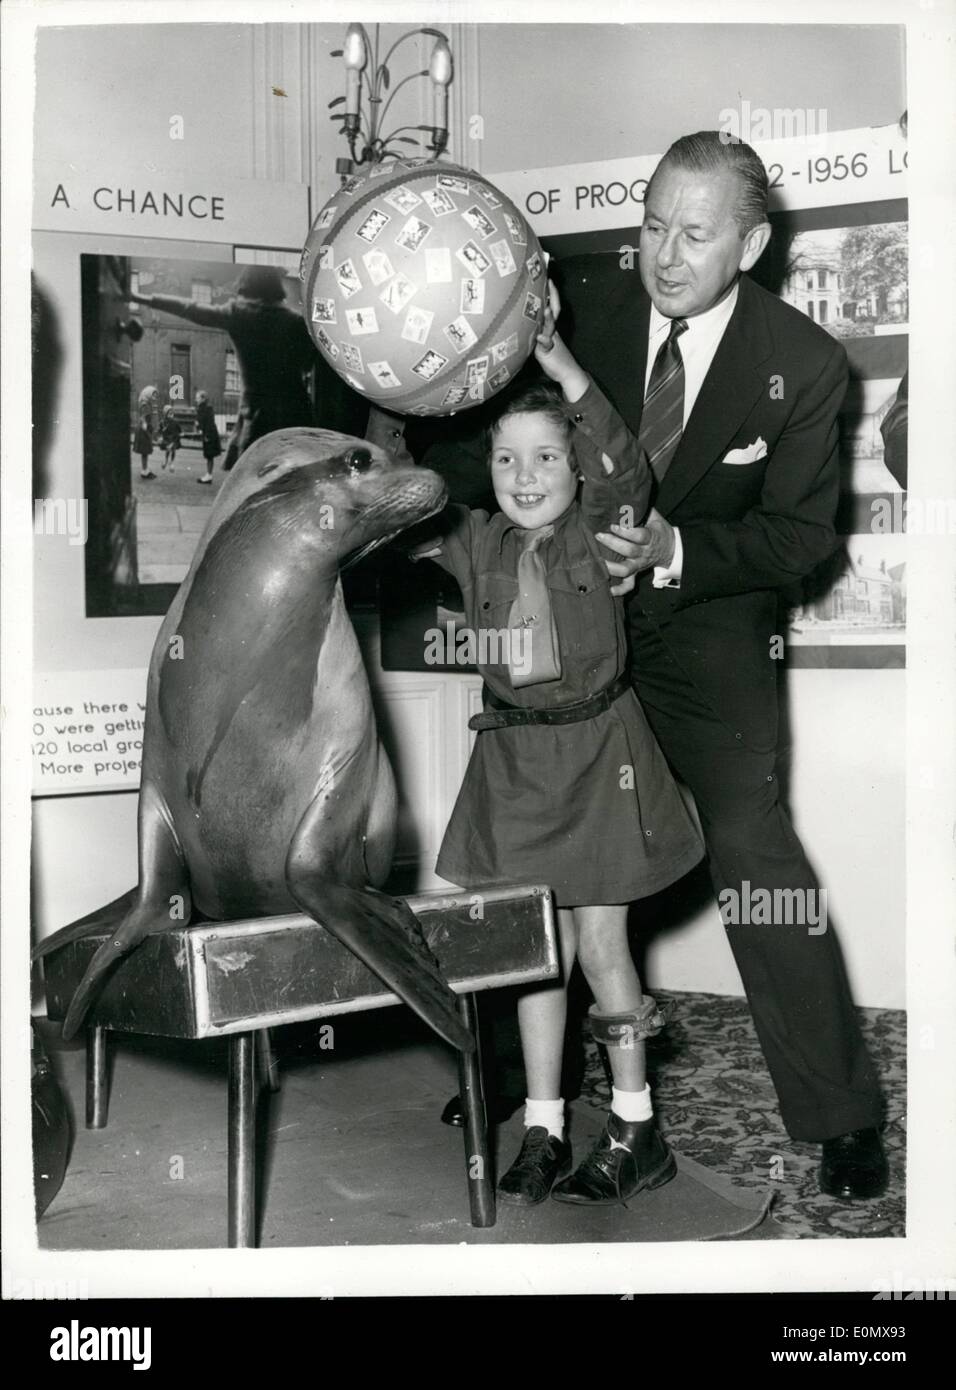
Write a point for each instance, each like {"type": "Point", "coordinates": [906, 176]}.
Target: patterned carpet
{"type": "Point", "coordinates": [716, 1104]}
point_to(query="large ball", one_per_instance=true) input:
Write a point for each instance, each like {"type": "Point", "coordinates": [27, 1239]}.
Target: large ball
{"type": "Point", "coordinates": [423, 286]}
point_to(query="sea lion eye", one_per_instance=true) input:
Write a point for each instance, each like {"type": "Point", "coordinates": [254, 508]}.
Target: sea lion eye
{"type": "Point", "coordinates": [359, 460]}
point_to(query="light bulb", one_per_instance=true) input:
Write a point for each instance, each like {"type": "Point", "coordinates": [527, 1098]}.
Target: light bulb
{"type": "Point", "coordinates": [440, 72]}
{"type": "Point", "coordinates": [354, 56]}
{"type": "Point", "coordinates": [354, 49]}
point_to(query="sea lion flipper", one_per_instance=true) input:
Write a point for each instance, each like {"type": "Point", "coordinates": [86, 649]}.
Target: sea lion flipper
{"type": "Point", "coordinates": [161, 901]}
{"type": "Point", "coordinates": [143, 921]}
{"type": "Point", "coordinates": [387, 936]}
{"type": "Point", "coordinates": [90, 925]}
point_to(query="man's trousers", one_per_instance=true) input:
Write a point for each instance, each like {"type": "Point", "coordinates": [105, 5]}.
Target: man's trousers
{"type": "Point", "coordinates": [792, 971]}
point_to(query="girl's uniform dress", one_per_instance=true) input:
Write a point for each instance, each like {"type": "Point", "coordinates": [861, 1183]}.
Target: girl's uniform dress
{"type": "Point", "coordinates": [590, 807]}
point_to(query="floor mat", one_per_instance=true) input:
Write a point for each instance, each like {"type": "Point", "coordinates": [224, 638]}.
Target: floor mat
{"type": "Point", "coordinates": [353, 1154]}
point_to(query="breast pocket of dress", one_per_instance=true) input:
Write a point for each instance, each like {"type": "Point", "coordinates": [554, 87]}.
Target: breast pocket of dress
{"type": "Point", "coordinates": [495, 596]}
{"type": "Point", "coordinates": [585, 612]}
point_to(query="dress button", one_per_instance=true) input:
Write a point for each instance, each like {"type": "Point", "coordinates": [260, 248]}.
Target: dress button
{"type": "Point", "coordinates": [738, 735]}
{"type": "Point", "coordinates": [582, 588]}
{"type": "Point", "coordinates": [578, 418]}
{"type": "Point", "coordinates": [487, 603]}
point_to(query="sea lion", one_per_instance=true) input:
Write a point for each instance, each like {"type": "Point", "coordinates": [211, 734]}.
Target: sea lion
{"type": "Point", "coordinates": [265, 789]}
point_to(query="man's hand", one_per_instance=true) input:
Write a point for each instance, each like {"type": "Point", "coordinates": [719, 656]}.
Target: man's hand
{"type": "Point", "coordinates": [627, 577]}
{"type": "Point", "coordinates": [641, 548]}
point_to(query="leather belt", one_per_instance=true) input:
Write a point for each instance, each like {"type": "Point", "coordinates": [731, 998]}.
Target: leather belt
{"type": "Point", "coordinates": [502, 716]}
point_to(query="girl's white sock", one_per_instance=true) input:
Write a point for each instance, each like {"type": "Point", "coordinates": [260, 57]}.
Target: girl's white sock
{"type": "Point", "coordinates": [549, 1113]}
{"type": "Point", "coordinates": [632, 1105]}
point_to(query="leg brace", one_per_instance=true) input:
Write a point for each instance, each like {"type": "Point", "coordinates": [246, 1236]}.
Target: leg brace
{"type": "Point", "coordinates": [626, 1029]}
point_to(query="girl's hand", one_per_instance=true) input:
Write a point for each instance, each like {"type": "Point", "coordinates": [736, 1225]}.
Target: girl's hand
{"type": "Point", "coordinates": [552, 353]}
{"type": "Point", "coordinates": [552, 310]}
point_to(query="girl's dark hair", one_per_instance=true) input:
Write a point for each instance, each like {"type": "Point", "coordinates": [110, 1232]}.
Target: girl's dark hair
{"type": "Point", "coordinates": [541, 397]}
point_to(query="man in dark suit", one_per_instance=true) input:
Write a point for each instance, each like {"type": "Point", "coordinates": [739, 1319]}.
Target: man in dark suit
{"type": "Point", "coordinates": [734, 396]}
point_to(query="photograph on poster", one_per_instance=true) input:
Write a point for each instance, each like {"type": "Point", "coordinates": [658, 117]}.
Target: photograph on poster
{"type": "Point", "coordinates": [151, 500]}
{"type": "Point", "coordinates": [185, 364]}
{"type": "Point", "coordinates": [854, 282]}
{"type": "Point", "coordinates": [575, 849]}
{"type": "Point", "coordinates": [854, 612]}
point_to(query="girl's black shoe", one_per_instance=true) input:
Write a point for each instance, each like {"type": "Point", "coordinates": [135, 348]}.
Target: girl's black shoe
{"type": "Point", "coordinates": [629, 1157]}
{"type": "Point", "coordinates": [542, 1160]}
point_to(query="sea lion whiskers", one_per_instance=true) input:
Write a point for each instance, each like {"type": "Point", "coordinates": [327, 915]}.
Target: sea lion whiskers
{"type": "Point", "coordinates": [414, 499]}
{"type": "Point", "coordinates": [384, 539]}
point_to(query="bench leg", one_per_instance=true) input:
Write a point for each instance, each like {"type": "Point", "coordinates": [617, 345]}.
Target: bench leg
{"type": "Point", "coordinates": [242, 1150]}
{"type": "Point", "coordinates": [266, 1067]}
{"type": "Point", "coordinates": [481, 1190]}
{"type": "Point", "coordinates": [97, 1078]}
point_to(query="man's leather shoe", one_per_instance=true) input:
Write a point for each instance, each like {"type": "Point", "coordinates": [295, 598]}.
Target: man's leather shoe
{"type": "Point", "coordinates": [854, 1165]}
{"type": "Point", "coordinates": [629, 1157]}
{"type": "Point", "coordinates": [542, 1160]}
{"type": "Point", "coordinates": [502, 1109]}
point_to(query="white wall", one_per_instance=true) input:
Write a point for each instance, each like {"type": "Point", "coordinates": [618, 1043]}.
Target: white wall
{"type": "Point", "coordinates": [109, 92]}
{"type": "Point", "coordinates": [847, 798]}
{"type": "Point", "coordinates": [547, 96]}
{"type": "Point", "coordinates": [253, 98]}
{"type": "Point", "coordinates": [569, 93]}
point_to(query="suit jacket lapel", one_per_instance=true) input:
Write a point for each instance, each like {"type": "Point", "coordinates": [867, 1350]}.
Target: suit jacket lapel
{"type": "Point", "coordinates": [726, 397]}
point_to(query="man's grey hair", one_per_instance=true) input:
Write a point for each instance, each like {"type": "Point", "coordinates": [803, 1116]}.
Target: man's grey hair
{"type": "Point", "coordinates": [712, 151]}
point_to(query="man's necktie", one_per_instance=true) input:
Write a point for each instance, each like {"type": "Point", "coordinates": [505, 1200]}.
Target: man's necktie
{"type": "Point", "coordinates": [533, 654]}
{"type": "Point", "coordinates": [662, 421]}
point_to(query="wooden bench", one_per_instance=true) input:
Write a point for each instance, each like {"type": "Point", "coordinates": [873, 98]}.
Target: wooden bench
{"type": "Point", "coordinates": [239, 979]}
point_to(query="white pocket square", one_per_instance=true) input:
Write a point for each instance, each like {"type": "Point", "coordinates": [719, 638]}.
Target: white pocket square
{"type": "Point", "coordinates": [753, 452]}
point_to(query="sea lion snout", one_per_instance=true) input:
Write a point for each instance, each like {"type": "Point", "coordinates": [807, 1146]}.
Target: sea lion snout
{"type": "Point", "coordinates": [395, 498]}
{"type": "Point", "coordinates": [342, 494]}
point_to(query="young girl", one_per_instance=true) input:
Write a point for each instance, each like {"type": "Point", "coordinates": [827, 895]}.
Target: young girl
{"type": "Point", "coordinates": [143, 443]}
{"type": "Point", "coordinates": [209, 430]}
{"type": "Point", "coordinates": [170, 434]}
{"type": "Point", "coordinates": [566, 785]}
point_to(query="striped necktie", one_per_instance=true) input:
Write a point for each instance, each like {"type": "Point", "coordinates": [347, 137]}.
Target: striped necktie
{"type": "Point", "coordinates": [662, 421]}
